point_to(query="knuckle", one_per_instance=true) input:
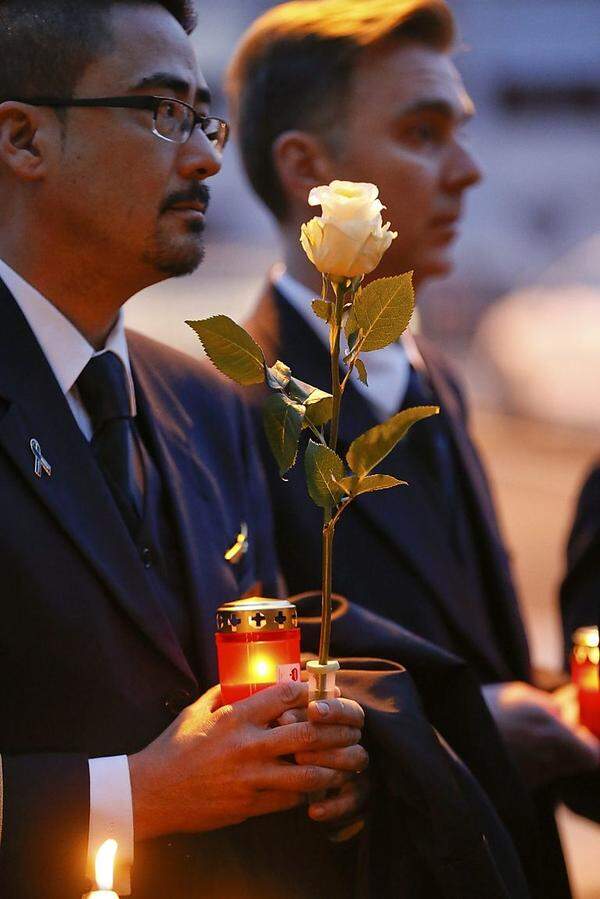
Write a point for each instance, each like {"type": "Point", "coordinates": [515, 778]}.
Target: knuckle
{"type": "Point", "coordinates": [307, 734]}
{"type": "Point", "coordinates": [337, 778]}
{"type": "Point", "coordinates": [312, 776]}
{"type": "Point", "coordinates": [349, 736]}
{"type": "Point", "coordinates": [289, 691]}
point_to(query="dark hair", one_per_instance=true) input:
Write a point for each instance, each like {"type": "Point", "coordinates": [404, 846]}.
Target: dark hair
{"type": "Point", "coordinates": [293, 69]}
{"type": "Point", "coordinates": [46, 45]}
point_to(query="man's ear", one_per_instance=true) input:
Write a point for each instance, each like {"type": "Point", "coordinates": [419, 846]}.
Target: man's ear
{"type": "Point", "coordinates": [302, 162]}
{"type": "Point", "coordinates": [21, 141]}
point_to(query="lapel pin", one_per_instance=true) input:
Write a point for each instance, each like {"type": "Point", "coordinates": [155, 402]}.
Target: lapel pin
{"type": "Point", "coordinates": [41, 464]}
{"type": "Point", "coordinates": [240, 547]}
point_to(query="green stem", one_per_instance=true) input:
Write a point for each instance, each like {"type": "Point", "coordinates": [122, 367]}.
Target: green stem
{"type": "Point", "coordinates": [326, 562]}
{"type": "Point", "coordinates": [335, 330]}
{"type": "Point", "coordinates": [334, 342]}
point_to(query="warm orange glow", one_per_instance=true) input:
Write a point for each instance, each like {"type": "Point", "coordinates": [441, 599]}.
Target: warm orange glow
{"type": "Point", "coordinates": [262, 670]}
{"type": "Point", "coordinates": [105, 862]}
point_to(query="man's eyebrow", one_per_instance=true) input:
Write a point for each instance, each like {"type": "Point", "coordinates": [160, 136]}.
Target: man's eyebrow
{"type": "Point", "coordinates": [441, 107]}
{"type": "Point", "coordinates": [174, 83]}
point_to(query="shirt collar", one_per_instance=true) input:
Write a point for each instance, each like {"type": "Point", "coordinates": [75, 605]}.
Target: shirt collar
{"type": "Point", "coordinates": [389, 368]}
{"type": "Point", "coordinates": [65, 348]}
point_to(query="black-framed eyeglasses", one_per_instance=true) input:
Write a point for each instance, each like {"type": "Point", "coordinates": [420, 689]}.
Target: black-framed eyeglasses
{"type": "Point", "coordinates": [173, 120]}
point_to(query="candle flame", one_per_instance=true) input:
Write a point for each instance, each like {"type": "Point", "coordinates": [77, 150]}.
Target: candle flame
{"type": "Point", "coordinates": [263, 670]}
{"type": "Point", "coordinates": [105, 861]}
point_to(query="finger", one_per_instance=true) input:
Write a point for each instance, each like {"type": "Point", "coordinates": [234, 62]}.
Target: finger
{"type": "Point", "coordinates": [348, 802]}
{"type": "Point", "coordinates": [298, 778]}
{"type": "Point", "coordinates": [211, 700]}
{"type": "Point", "coordinates": [293, 716]}
{"type": "Point", "coordinates": [293, 738]}
{"type": "Point", "coordinates": [337, 711]}
{"type": "Point", "coordinates": [349, 758]}
{"type": "Point", "coordinates": [269, 704]}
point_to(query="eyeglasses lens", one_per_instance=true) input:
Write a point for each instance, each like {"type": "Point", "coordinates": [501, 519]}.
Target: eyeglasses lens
{"type": "Point", "coordinates": [174, 121]}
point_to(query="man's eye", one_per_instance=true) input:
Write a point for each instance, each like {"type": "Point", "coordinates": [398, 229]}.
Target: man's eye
{"type": "Point", "coordinates": [425, 133]}
{"type": "Point", "coordinates": [170, 109]}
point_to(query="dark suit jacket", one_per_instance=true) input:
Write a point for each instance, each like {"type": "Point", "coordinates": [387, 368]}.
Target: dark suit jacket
{"type": "Point", "coordinates": [89, 664]}
{"type": "Point", "coordinates": [448, 692]}
{"type": "Point", "coordinates": [580, 591]}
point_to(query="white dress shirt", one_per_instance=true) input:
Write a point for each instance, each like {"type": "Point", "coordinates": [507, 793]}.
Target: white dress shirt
{"type": "Point", "coordinates": [68, 352]}
{"type": "Point", "coordinates": [388, 369]}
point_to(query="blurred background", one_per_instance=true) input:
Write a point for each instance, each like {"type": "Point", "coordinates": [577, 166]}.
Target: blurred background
{"type": "Point", "coordinates": [521, 313]}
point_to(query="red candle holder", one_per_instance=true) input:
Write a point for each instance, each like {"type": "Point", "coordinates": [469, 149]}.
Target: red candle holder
{"type": "Point", "coordinates": [584, 674]}
{"type": "Point", "coordinates": [258, 644]}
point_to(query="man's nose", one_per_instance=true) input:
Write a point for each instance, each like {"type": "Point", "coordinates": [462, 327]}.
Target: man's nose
{"type": "Point", "coordinates": [198, 157]}
{"type": "Point", "coordinates": [462, 170]}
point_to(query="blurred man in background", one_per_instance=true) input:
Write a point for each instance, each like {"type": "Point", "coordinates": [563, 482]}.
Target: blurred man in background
{"type": "Point", "coordinates": [367, 91]}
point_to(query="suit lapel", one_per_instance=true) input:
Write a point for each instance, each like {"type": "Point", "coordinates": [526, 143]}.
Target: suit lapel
{"type": "Point", "coordinates": [76, 494]}
{"type": "Point", "coordinates": [407, 516]}
{"type": "Point", "coordinates": [485, 521]}
{"type": "Point", "coordinates": [196, 503]}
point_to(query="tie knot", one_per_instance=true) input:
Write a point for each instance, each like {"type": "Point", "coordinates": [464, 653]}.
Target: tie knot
{"type": "Point", "coordinates": [103, 389]}
{"type": "Point", "coordinates": [418, 391]}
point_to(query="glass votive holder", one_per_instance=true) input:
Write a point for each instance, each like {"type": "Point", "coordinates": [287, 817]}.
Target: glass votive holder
{"type": "Point", "coordinates": [258, 644]}
{"type": "Point", "coordinates": [584, 674]}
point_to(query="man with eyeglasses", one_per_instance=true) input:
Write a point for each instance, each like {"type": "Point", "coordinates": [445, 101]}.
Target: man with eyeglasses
{"type": "Point", "coordinates": [124, 478]}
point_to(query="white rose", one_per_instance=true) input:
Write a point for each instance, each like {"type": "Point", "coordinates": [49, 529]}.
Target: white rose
{"type": "Point", "coordinates": [349, 238]}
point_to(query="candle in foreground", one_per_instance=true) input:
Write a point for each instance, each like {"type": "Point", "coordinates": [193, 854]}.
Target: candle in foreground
{"type": "Point", "coordinates": [258, 644]}
{"type": "Point", "coordinates": [105, 862]}
{"type": "Point", "coordinates": [584, 673]}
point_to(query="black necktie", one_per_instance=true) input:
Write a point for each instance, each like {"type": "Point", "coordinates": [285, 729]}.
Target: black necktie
{"type": "Point", "coordinates": [103, 389]}
{"type": "Point", "coordinates": [431, 439]}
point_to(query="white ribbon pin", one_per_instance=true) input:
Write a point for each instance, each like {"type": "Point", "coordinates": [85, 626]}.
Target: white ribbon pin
{"type": "Point", "coordinates": [41, 464]}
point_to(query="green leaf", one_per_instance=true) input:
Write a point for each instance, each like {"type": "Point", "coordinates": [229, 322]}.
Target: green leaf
{"type": "Point", "coordinates": [349, 321]}
{"type": "Point", "coordinates": [356, 485]}
{"type": "Point", "coordinates": [323, 468]}
{"type": "Point", "coordinates": [319, 408]}
{"type": "Point", "coordinates": [383, 310]}
{"type": "Point", "coordinates": [231, 349]}
{"type": "Point", "coordinates": [278, 376]}
{"type": "Point", "coordinates": [299, 390]}
{"type": "Point", "coordinates": [361, 370]}
{"type": "Point", "coordinates": [282, 420]}
{"type": "Point", "coordinates": [319, 405]}
{"type": "Point", "coordinates": [322, 308]}
{"type": "Point", "coordinates": [370, 448]}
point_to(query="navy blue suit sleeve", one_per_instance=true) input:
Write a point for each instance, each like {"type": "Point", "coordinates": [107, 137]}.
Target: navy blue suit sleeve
{"type": "Point", "coordinates": [45, 826]}
{"type": "Point", "coordinates": [259, 502]}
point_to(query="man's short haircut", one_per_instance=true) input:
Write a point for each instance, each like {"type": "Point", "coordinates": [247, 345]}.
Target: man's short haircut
{"type": "Point", "coordinates": [293, 70]}
{"type": "Point", "coordinates": [46, 45]}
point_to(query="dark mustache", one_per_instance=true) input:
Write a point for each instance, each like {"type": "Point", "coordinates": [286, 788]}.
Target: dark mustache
{"type": "Point", "coordinates": [197, 194]}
